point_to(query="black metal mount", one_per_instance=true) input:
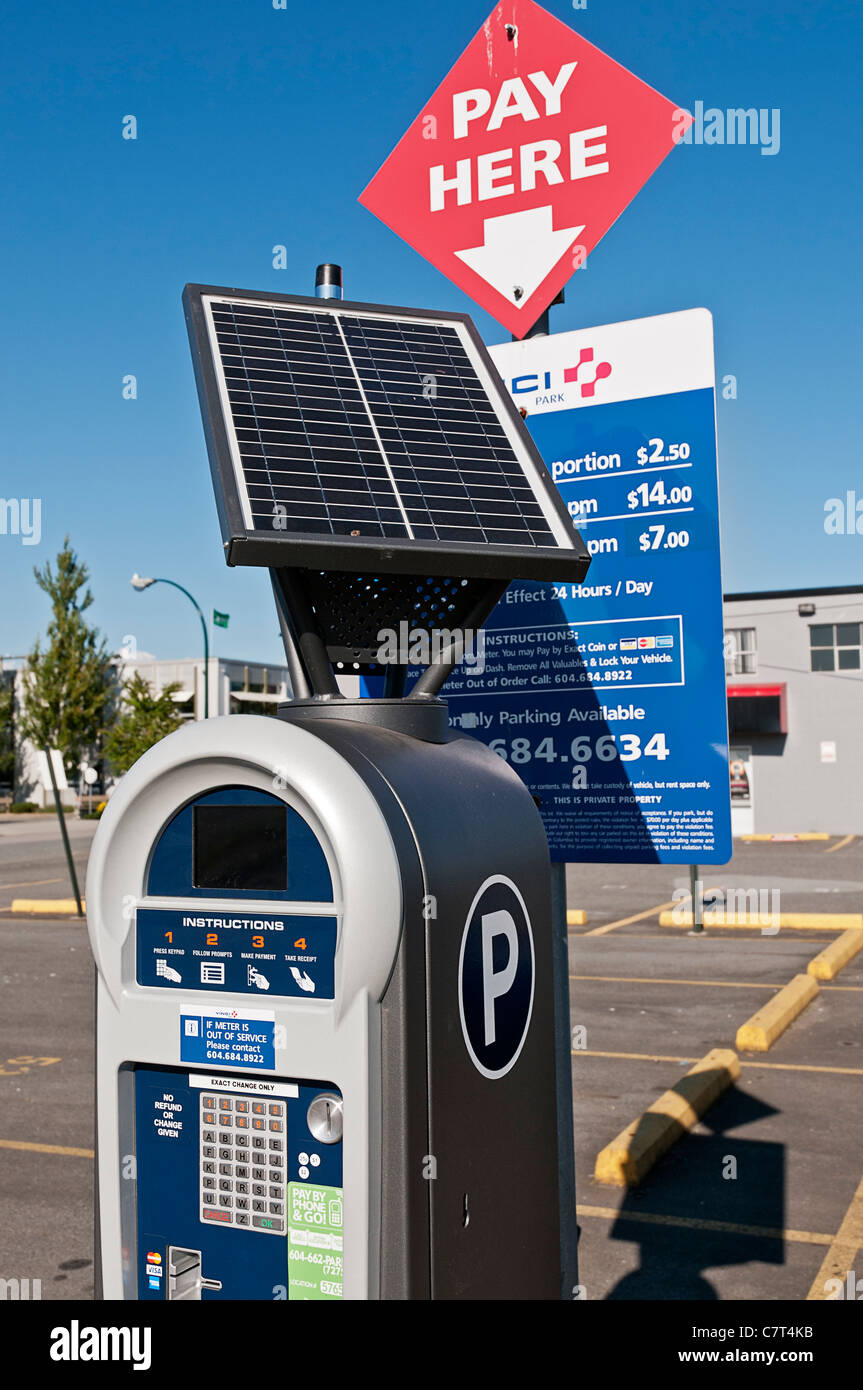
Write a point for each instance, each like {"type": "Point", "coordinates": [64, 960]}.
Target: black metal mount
{"type": "Point", "coordinates": [339, 622]}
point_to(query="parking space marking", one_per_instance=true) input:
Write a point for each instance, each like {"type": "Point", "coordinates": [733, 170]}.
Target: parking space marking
{"type": "Point", "coordinates": [839, 1260]}
{"type": "Point", "coordinates": [840, 844]}
{"type": "Point", "coordinates": [625, 921]}
{"type": "Point", "coordinates": [794, 921]}
{"type": "Point", "coordinates": [771, 1066]}
{"type": "Point", "coordinates": [693, 1223]}
{"type": "Point", "coordinates": [21, 1065]}
{"type": "Point", "coordinates": [64, 1150]}
{"type": "Point", "coordinates": [669, 935]}
{"type": "Point", "coordinates": [32, 883]}
{"type": "Point", "coordinates": [782, 839]}
{"type": "Point", "coordinates": [655, 980]}
{"type": "Point", "coordinates": [701, 984]}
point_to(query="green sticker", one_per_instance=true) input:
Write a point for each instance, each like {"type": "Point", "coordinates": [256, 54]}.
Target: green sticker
{"type": "Point", "coordinates": [314, 1241]}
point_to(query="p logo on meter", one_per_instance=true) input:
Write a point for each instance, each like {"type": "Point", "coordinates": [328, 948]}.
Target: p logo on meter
{"type": "Point", "coordinates": [496, 977]}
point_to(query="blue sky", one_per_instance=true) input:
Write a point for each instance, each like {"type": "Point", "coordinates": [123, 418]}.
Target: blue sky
{"type": "Point", "coordinates": [259, 127]}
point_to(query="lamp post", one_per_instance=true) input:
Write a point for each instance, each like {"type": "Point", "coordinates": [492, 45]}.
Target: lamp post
{"type": "Point", "coordinates": [138, 582]}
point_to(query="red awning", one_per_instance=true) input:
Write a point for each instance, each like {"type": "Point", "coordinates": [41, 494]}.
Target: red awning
{"type": "Point", "coordinates": [750, 692]}
{"type": "Point", "coordinates": [762, 715]}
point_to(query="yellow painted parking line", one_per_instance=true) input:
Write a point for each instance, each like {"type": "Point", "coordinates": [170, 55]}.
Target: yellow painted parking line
{"type": "Point", "coordinates": [740, 942]}
{"type": "Point", "coordinates": [47, 1149]}
{"type": "Point", "coordinates": [842, 1254]}
{"type": "Point", "coordinates": [697, 1223]}
{"type": "Point", "coordinates": [625, 921]}
{"type": "Point", "coordinates": [814, 921]}
{"type": "Point", "coordinates": [840, 844]}
{"type": "Point", "coordinates": [655, 980]}
{"type": "Point", "coordinates": [32, 883]}
{"type": "Point", "coordinates": [827, 964]}
{"type": "Point", "coordinates": [631, 1155]}
{"type": "Point", "coordinates": [702, 984]}
{"type": "Point", "coordinates": [780, 839]}
{"type": "Point", "coordinates": [770, 1066]}
{"type": "Point", "coordinates": [576, 917]}
{"type": "Point", "coordinates": [630, 1056]}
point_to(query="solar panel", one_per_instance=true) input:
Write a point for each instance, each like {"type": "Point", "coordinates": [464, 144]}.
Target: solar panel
{"type": "Point", "coordinates": [361, 436]}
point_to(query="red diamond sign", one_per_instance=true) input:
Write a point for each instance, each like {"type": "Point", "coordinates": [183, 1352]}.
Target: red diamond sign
{"type": "Point", "coordinates": [530, 148]}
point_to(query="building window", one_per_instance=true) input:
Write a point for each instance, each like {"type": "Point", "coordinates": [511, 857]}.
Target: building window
{"type": "Point", "coordinates": [834, 646]}
{"type": "Point", "coordinates": [740, 654]}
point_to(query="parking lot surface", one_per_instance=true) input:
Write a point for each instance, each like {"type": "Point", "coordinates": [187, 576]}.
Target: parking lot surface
{"type": "Point", "coordinates": [753, 1203]}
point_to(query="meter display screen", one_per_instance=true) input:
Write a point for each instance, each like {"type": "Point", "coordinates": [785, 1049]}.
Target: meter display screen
{"type": "Point", "coordinates": [240, 847]}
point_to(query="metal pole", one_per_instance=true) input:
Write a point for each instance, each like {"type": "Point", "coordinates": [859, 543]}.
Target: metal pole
{"type": "Point", "coordinates": [562, 1036]}
{"type": "Point", "coordinates": [563, 1082]}
{"type": "Point", "coordinates": [300, 688]}
{"type": "Point", "coordinates": [206, 667]}
{"type": "Point", "coordinates": [175, 585]}
{"type": "Point", "coordinates": [696, 900]}
{"type": "Point", "coordinates": [65, 833]}
{"type": "Point", "coordinates": [310, 645]}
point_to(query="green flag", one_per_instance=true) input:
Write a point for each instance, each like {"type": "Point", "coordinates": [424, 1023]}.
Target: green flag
{"type": "Point", "coordinates": [220, 619]}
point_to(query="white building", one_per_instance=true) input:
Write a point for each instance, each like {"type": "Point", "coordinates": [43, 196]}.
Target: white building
{"type": "Point", "coordinates": [235, 687]}
{"type": "Point", "coordinates": [794, 672]}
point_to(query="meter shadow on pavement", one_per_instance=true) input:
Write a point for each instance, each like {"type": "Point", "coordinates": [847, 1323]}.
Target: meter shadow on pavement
{"type": "Point", "coordinates": [705, 1178]}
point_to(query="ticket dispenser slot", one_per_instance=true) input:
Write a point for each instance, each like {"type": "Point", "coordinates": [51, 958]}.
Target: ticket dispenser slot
{"type": "Point", "coordinates": [185, 1280]}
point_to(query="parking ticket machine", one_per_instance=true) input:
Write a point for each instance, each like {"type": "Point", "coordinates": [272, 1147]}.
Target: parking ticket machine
{"type": "Point", "coordinates": [325, 1014]}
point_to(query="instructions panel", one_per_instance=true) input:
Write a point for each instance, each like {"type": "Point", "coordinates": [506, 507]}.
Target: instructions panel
{"type": "Point", "coordinates": [236, 953]}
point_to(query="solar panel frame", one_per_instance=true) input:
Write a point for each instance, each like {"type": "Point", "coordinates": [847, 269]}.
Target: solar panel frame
{"type": "Point", "coordinates": [564, 556]}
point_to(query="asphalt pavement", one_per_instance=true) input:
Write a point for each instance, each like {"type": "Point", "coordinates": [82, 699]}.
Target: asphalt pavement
{"type": "Point", "coordinates": [748, 1205]}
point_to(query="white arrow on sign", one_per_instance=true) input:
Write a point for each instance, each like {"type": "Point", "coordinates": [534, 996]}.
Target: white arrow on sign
{"type": "Point", "coordinates": [519, 251]}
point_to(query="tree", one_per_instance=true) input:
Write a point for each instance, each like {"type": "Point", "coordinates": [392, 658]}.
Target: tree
{"type": "Point", "coordinates": [7, 727]}
{"type": "Point", "coordinates": [68, 684]}
{"type": "Point", "coordinates": [146, 718]}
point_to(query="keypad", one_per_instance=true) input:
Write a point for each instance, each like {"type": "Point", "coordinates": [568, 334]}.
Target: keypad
{"type": "Point", "coordinates": [242, 1170]}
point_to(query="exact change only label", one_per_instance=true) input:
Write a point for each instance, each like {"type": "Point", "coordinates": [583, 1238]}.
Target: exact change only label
{"type": "Point", "coordinates": [314, 1242]}
{"type": "Point", "coordinates": [233, 1037]}
{"type": "Point", "coordinates": [608, 698]}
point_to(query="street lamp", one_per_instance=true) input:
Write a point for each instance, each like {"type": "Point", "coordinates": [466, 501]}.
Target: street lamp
{"type": "Point", "coordinates": [140, 583]}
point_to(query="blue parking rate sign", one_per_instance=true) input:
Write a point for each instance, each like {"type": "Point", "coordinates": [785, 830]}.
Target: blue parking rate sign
{"type": "Point", "coordinates": [608, 697]}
